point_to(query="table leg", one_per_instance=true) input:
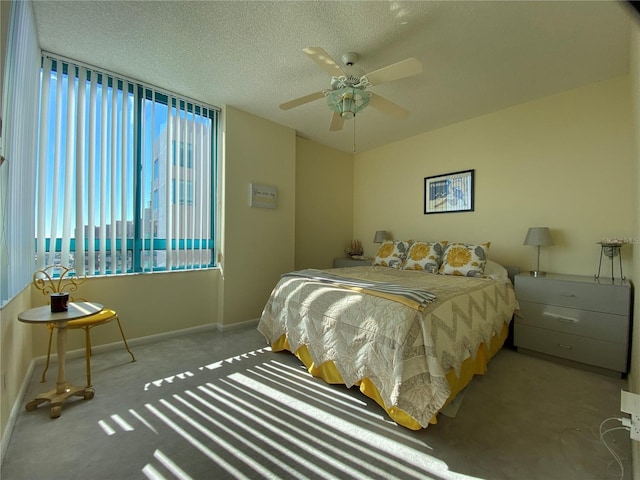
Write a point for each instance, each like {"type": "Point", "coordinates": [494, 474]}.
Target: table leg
{"type": "Point", "coordinates": [61, 344]}
{"type": "Point", "coordinates": [63, 388]}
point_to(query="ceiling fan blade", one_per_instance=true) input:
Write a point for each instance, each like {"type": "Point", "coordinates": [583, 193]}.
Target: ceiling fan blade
{"type": "Point", "coordinates": [337, 121]}
{"type": "Point", "coordinates": [302, 100]}
{"type": "Point", "coordinates": [325, 61]}
{"type": "Point", "coordinates": [396, 71]}
{"type": "Point", "coordinates": [387, 106]}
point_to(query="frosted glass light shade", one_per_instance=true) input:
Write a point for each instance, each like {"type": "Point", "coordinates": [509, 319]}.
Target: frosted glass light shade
{"type": "Point", "coordinates": [348, 101]}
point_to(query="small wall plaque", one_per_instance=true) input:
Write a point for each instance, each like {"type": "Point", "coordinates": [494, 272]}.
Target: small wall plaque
{"type": "Point", "coordinates": [263, 196]}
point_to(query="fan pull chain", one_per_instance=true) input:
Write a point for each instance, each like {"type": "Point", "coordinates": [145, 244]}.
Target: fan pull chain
{"type": "Point", "coordinates": [354, 133]}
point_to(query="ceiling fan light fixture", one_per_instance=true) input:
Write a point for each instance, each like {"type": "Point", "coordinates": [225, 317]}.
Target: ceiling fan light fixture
{"type": "Point", "coordinates": [348, 101]}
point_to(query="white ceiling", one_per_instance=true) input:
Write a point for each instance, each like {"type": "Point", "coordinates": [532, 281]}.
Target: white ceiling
{"type": "Point", "coordinates": [477, 56]}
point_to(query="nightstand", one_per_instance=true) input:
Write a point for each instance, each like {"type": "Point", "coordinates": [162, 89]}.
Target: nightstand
{"type": "Point", "coordinates": [576, 318]}
{"type": "Point", "coordinates": [350, 262]}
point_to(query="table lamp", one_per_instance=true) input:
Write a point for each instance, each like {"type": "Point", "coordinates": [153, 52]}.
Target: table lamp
{"type": "Point", "coordinates": [380, 236]}
{"type": "Point", "coordinates": [538, 236]}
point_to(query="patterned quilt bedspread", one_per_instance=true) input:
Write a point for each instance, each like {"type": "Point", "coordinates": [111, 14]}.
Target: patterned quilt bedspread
{"type": "Point", "coordinates": [405, 352]}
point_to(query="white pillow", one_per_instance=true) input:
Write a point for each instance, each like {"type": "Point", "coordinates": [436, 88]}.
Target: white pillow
{"type": "Point", "coordinates": [496, 272]}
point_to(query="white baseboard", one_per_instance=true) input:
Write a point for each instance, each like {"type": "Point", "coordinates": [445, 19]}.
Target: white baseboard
{"type": "Point", "coordinates": [235, 326]}
{"type": "Point", "coordinates": [15, 409]}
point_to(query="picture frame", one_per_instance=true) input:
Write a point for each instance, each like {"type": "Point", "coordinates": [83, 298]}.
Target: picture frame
{"type": "Point", "coordinates": [448, 193]}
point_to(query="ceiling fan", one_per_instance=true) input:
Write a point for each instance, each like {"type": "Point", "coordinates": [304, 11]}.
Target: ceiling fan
{"type": "Point", "coordinates": [348, 94]}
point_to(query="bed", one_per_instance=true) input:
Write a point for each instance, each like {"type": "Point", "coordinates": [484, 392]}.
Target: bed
{"type": "Point", "coordinates": [411, 330]}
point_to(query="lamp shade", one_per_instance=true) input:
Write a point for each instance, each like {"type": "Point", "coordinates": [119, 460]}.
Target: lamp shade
{"type": "Point", "coordinates": [380, 236]}
{"type": "Point", "coordinates": [538, 236]}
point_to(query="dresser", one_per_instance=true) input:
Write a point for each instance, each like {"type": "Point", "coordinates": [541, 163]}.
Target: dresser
{"type": "Point", "coordinates": [577, 318]}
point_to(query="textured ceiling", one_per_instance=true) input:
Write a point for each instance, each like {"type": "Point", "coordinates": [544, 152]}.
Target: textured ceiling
{"type": "Point", "coordinates": [477, 56]}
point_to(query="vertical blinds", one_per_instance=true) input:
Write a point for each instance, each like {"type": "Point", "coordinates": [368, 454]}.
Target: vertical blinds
{"type": "Point", "coordinates": [19, 139]}
{"type": "Point", "coordinates": [125, 175]}
{"type": "Point", "coordinates": [179, 225]}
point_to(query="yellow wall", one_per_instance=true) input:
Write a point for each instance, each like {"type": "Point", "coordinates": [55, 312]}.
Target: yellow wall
{"type": "Point", "coordinates": [324, 204]}
{"type": "Point", "coordinates": [258, 243]}
{"type": "Point", "coordinates": [563, 161]}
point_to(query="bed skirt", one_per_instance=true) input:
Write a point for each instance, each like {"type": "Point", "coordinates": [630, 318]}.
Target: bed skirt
{"type": "Point", "coordinates": [470, 367]}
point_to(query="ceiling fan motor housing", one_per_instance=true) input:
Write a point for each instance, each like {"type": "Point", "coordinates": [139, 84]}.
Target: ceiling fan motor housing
{"type": "Point", "coordinates": [350, 58]}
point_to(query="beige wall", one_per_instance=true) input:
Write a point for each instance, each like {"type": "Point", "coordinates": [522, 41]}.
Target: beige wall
{"type": "Point", "coordinates": [564, 161]}
{"type": "Point", "coordinates": [634, 376]}
{"type": "Point", "coordinates": [324, 204]}
{"type": "Point", "coordinates": [148, 304]}
{"type": "Point", "coordinates": [15, 356]}
{"type": "Point", "coordinates": [258, 244]}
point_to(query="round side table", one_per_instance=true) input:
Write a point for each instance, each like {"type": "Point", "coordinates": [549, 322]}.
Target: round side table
{"type": "Point", "coordinates": [64, 389]}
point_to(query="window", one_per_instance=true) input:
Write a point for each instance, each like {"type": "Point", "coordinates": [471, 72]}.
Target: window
{"type": "Point", "coordinates": [111, 155]}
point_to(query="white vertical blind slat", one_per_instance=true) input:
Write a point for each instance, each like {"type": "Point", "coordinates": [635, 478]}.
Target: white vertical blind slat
{"type": "Point", "coordinates": [168, 187]}
{"type": "Point", "coordinates": [56, 166]}
{"type": "Point", "coordinates": [80, 170]}
{"type": "Point", "coordinates": [144, 214]}
{"type": "Point", "coordinates": [207, 188]}
{"type": "Point", "coordinates": [181, 201]}
{"type": "Point", "coordinates": [194, 205]}
{"type": "Point", "coordinates": [113, 164]}
{"type": "Point", "coordinates": [103, 177]}
{"type": "Point", "coordinates": [91, 176]}
{"type": "Point", "coordinates": [124, 149]}
{"type": "Point", "coordinates": [152, 208]}
{"type": "Point", "coordinates": [67, 160]}
{"type": "Point", "coordinates": [41, 234]}
{"type": "Point", "coordinates": [177, 189]}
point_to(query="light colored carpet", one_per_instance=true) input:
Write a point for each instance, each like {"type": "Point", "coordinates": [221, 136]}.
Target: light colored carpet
{"type": "Point", "coordinates": [221, 405]}
{"type": "Point", "coordinates": [451, 410]}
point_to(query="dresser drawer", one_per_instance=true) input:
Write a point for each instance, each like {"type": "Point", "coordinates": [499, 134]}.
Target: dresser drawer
{"type": "Point", "coordinates": [585, 295]}
{"type": "Point", "coordinates": [586, 323]}
{"type": "Point", "coordinates": [573, 347]}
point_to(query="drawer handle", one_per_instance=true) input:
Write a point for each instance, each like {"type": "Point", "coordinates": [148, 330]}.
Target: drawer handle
{"type": "Point", "coordinates": [561, 319]}
{"type": "Point", "coordinates": [566, 347]}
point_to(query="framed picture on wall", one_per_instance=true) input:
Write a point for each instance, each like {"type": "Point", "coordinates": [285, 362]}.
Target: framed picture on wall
{"type": "Point", "coordinates": [452, 192]}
